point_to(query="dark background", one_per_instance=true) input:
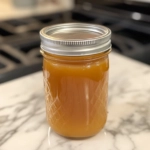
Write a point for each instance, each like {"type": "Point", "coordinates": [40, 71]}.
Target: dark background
{"type": "Point", "coordinates": [20, 43]}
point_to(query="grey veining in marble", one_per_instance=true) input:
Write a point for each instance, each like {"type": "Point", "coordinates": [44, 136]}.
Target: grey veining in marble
{"type": "Point", "coordinates": [22, 113]}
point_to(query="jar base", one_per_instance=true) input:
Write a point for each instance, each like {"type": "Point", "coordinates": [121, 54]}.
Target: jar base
{"type": "Point", "coordinates": [78, 137]}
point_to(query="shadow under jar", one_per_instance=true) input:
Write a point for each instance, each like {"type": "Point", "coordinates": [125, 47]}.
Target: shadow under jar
{"type": "Point", "coordinates": [75, 68]}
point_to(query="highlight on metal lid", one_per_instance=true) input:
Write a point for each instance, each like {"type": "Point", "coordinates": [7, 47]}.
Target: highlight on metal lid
{"type": "Point", "coordinates": [75, 39]}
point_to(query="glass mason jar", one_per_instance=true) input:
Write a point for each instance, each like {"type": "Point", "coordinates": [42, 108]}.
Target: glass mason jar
{"type": "Point", "coordinates": [75, 69]}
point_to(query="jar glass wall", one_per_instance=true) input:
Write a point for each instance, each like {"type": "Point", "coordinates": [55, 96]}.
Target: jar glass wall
{"type": "Point", "coordinates": [76, 93]}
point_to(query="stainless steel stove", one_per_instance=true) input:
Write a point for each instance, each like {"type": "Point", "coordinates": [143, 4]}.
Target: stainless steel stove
{"type": "Point", "coordinates": [19, 39]}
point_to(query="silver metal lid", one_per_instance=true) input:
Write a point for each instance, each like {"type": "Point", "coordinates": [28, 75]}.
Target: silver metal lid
{"type": "Point", "coordinates": [75, 39]}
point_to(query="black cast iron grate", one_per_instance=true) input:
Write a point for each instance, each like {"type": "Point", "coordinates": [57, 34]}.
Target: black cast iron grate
{"type": "Point", "coordinates": [20, 43]}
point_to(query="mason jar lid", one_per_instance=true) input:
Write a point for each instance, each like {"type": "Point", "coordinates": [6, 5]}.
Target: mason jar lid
{"type": "Point", "coordinates": [75, 39]}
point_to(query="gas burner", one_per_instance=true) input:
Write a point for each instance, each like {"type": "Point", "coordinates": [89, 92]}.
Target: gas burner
{"type": "Point", "coordinates": [20, 43]}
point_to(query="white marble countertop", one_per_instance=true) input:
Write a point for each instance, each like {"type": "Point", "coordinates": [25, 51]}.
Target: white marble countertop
{"type": "Point", "coordinates": [22, 113]}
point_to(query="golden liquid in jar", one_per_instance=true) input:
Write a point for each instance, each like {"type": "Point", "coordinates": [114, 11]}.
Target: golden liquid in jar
{"type": "Point", "coordinates": [76, 93]}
